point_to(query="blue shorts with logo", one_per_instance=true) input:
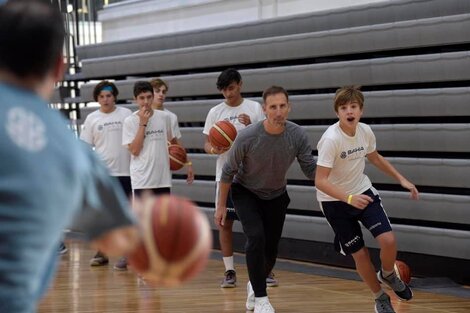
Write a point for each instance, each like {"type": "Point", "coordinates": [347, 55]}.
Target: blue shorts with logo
{"type": "Point", "coordinates": [344, 219]}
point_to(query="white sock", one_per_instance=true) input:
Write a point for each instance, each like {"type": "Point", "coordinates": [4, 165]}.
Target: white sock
{"type": "Point", "coordinates": [261, 299]}
{"type": "Point", "coordinates": [228, 262]}
{"type": "Point", "coordinates": [379, 293]}
{"type": "Point", "coordinates": [387, 273]}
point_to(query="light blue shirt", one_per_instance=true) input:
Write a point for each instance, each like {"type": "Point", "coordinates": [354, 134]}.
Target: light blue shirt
{"type": "Point", "coordinates": [48, 179]}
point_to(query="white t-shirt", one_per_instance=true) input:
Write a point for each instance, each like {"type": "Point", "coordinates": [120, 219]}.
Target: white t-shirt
{"type": "Point", "coordinates": [104, 132]}
{"type": "Point", "coordinates": [345, 155]}
{"type": "Point", "coordinates": [223, 111]}
{"type": "Point", "coordinates": [151, 168]}
{"type": "Point", "coordinates": [174, 124]}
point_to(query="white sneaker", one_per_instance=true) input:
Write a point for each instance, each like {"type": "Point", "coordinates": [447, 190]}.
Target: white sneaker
{"type": "Point", "coordinates": [250, 299]}
{"type": "Point", "coordinates": [263, 306]}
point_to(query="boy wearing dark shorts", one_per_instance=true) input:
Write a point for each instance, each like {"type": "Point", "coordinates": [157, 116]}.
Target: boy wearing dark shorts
{"type": "Point", "coordinates": [347, 197]}
{"type": "Point", "coordinates": [241, 113]}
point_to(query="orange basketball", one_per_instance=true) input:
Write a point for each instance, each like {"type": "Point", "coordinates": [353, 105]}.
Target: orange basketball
{"type": "Point", "coordinates": [222, 134]}
{"type": "Point", "coordinates": [403, 271]}
{"type": "Point", "coordinates": [177, 240]}
{"type": "Point", "coordinates": [178, 157]}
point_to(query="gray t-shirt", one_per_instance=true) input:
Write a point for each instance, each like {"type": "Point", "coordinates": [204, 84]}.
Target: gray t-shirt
{"type": "Point", "coordinates": [259, 161]}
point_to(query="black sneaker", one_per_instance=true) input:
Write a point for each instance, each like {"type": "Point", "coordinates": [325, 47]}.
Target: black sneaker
{"type": "Point", "coordinates": [383, 304]}
{"type": "Point", "coordinates": [230, 279]}
{"type": "Point", "coordinates": [99, 259]}
{"type": "Point", "coordinates": [401, 289]}
{"type": "Point", "coordinates": [62, 248]}
{"type": "Point", "coordinates": [121, 265]}
{"type": "Point", "coordinates": [271, 281]}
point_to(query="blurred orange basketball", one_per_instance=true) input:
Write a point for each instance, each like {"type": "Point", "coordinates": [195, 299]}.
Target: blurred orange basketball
{"type": "Point", "coordinates": [177, 240]}
{"type": "Point", "coordinates": [222, 134]}
{"type": "Point", "coordinates": [178, 157]}
{"type": "Point", "coordinates": [403, 271]}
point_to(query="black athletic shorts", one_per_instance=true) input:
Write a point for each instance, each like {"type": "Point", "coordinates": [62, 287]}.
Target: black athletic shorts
{"type": "Point", "coordinates": [125, 182]}
{"type": "Point", "coordinates": [231, 214]}
{"type": "Point", "coordinates": [344, 219]}
{"type": "Point", "coordinates": [153, 191]}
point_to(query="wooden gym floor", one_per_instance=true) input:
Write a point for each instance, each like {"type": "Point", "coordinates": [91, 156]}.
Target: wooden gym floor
{"type": "Point", "coordinates": [79, 288]}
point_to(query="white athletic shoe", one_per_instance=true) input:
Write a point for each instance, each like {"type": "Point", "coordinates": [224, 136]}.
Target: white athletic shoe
{"type": "Point", "coordinates": [263, 306]}
{"type": "Point", "coordinates": [250, 299]}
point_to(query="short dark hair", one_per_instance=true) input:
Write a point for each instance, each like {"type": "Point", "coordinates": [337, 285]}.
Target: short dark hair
{"type": "Point", "coordinates": [103, 84]}
{"type": "Point", "coordinates": [31, 37]}
{"type": "Point", "coordinates": [141, 87]}
{"type": "Point", "coordinates": [348, 94]}
{"type": "Point", "coordinates": [274, 90]}
{"type": "Point", "coordinates": [227, 77]}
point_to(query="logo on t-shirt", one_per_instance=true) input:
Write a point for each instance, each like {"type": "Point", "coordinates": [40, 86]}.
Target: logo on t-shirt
{"type": "Point", "coordinates": [114, 125]}
{"type": "Point", "coordinates": [26, 129]}
{"type": "Point", "coordinates": [154, 133]}
{"type": "Point", "coordinates": [231, 118]}
{"type": "Point", "coordinates": [354, 152]}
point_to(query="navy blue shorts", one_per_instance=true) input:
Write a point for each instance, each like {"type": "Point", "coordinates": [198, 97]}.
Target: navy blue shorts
{"type": "Point", "coordinates": [344, 219]}
{"type": "Point", "coordinates": [125, 182]}
{"type": "Point", "coordinates": [153, 191]}
{"type": "Point", "coordinates": [231, 214]}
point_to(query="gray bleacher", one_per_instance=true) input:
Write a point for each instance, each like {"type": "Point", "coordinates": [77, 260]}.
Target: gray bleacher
{"type": "Point", "coordinates": [368, 14]}
{"type": "Point", "coordinates": [398, 205]}
{"type": "Point", "coordinates": [418, 103]}
{"type": "Point", "coordinates": [440, 102]}
{"type": "Point", "coordinates": [399, 137]}
{"type": "Point", "coordinates": [422, 171]}
{"type": "Point", "coordinates": [451, 66]}
{"type": "Point", "coordinates": [390, 36]}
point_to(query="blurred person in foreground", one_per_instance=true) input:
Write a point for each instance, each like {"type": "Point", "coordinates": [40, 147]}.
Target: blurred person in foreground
{"type": "Point", "coordinates": [49, 180]}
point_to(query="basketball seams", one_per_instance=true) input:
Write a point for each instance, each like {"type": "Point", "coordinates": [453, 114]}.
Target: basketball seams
{"type": "Point", "coordinates": [162, 269]}
{"type": "Point", "coordinates": [217, 143]}
{"type": "Point", "coordinates": [222, 134]}
{"type": "Point", "coordinates": [220, 130]}
{"type": "Point", "coordinates": [163, 220]}
{"type": "Point", "coordinates": [177, 154]}
{"type": "Point", "coordinates": [178, 268]}
{"type": "Point", "coordinates": [157, 263]}
{"type": "Point", "coordinates": [176, 160]}
{"type": "Point", "coordinates": [403, 271]}
{"type": "Point", "coordinates": [179, 228]}
{"type": "Point", "coordinates": [397, 270]}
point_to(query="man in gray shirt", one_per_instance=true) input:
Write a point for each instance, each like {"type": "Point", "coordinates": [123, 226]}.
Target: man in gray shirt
{"type": "Point", "coordinates": [257, 165]}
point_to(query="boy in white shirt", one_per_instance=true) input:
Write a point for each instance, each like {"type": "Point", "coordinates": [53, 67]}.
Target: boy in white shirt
{"type": "Point", "coordinates": [146, 134]}
{"type": "Point", "coordinates": [160, 88]}
{"type": "Point", "coordinates": [241, 113]}
{"type": "Point", "coordinates": [347, 196]}
{"type": "Point", "coordinates": [102, 130]}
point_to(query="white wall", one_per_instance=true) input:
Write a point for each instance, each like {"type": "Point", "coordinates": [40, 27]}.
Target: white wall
{"type": "Point", "coordinates": [141, 18]}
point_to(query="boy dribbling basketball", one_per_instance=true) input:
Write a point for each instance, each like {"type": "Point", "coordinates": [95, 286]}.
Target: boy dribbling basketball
{"type": "Point", "coordinates": [346, 195]}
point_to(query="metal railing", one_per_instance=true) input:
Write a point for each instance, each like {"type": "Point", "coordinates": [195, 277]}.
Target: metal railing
{"type": "Point", "coordinates": [82, 27]}
{"type": "Point", "coordinates": [80, 21]}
